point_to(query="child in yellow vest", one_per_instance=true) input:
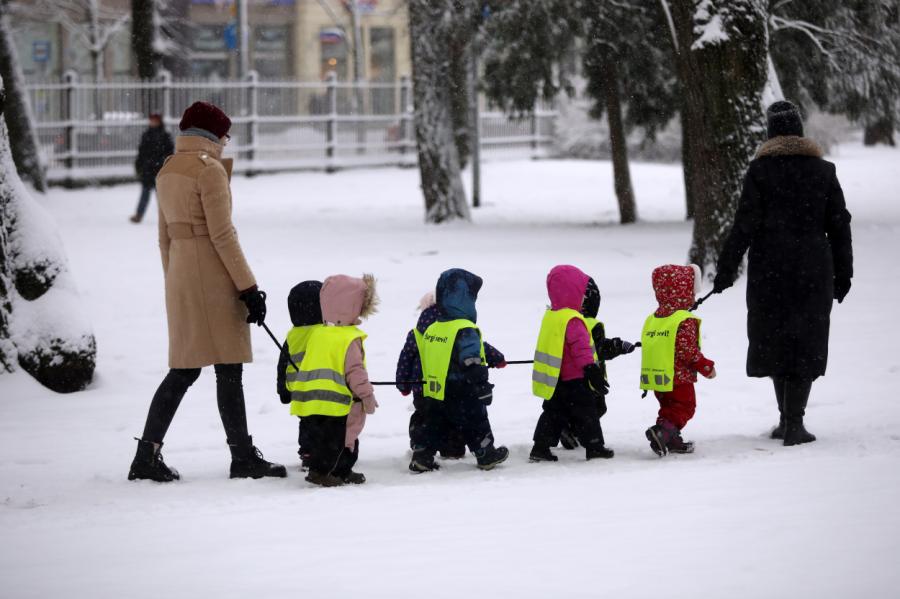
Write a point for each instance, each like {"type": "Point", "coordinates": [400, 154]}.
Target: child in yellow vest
{"type": "Point", "coordinates": [332, 393]}
{"type": "Point", "coordinates": [671, 356]}
{"type": "Point", "coordinates": [306, 315]}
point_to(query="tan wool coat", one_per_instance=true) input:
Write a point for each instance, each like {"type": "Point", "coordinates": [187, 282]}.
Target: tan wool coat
{"type": "Point", "coordinates": [204, 266]}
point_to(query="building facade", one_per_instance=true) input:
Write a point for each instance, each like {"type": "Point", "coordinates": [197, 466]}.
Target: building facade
{"type": "Point", "coordinates": [287, 39]}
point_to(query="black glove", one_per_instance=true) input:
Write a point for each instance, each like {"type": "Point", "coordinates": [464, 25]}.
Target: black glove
{"type": "Point", "coordinates": [841, 289]}
{"type": "Point", "coordinates": [621, 347]}
{"type": "Point", "coordinates": [594, 375]}
{"type": "Point", "coordinates": [723, 281]}
{"type": "Point", "coordinates": [485, 393]}
{"type": "Point", "coordinates": [255, 300]}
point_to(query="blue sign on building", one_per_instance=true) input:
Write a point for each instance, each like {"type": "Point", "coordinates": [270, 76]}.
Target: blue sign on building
{"type": "Point", "coordinates": [40, 51]}
{"type": "Point", "coordinates": [231, 37]}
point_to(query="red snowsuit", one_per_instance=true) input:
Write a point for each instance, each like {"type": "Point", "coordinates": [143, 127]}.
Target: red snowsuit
{"type": "Point", "coordinates": [675, 290]}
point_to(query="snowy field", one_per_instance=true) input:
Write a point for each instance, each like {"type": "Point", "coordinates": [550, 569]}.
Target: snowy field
{"type": "Point", "coordinates": [742, 517]}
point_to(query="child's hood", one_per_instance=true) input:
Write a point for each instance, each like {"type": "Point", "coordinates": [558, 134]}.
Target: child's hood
{"type": "Point", "coordinates": [345, 300]}
{"type": "Point", "coordinates": [675, 287]}
{"type": "Point", "coordinates": [303, 304]}
{"type": "Point", "coordinates": [457, 291]}
{"type": "Point", "coordinates": [566, 286]}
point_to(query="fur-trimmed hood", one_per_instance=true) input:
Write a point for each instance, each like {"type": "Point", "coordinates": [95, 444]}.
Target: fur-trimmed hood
{"type": "Point", "coordinates": [790, 145]}
{"type": "Point", "coordinates": [347, 300]}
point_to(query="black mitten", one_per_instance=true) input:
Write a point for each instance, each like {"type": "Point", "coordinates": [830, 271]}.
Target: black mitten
{"type": "Point", "coordinates": [594, 375]}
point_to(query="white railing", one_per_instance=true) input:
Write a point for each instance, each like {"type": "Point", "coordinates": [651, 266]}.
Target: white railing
{"type": "Point", "coordinates": [89, 131]}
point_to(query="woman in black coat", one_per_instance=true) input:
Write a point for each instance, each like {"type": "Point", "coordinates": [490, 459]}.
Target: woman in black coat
{"type": "Point", "coordinates": [793, 219]}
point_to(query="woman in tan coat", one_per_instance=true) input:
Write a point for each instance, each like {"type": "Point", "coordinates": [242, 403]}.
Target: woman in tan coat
{"type": "Point", "coordinates": [211, 295]}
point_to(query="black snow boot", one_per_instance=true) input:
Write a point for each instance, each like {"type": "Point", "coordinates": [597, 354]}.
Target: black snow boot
{"type": "Point", "coordinates": [659, 436]}
{"type": "Point", "coordinates": [541, 454]}
{"type": "Point", "coordinates": [354, 478]}
{"type": "Point", "coordinates": [796, 395]}
{"type": "Point", "coordinates": [305, 459]}
{"type": "Point", "coordinates": [567, 439]}
{"type": "Point", "coordinates": [598, 451]}
{"type": "Point", "coordinates": [491, 456]}
{"type": "Point", "coordinates": [423, 461]}
{"type": "Point", "coordinates": [247, 462]}
{"type": "Point", "coordinates": [323, 480]}
{"type": "Point", "coordinates": [678, 445]}
{"type": "Point", "coordinates": [778, 431]}
{"type": "Point", "coordinates": [148, 464]}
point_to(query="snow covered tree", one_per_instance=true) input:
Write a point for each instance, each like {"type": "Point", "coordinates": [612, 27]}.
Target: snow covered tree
{"type": "Point", "coordinates": [721, 49]}
{"type": "Point", "coordinates": [159, 31]}
{"type": "Point", "coordinates": [432, 25]}
{"type": "Point", "coordinates": [843, 57]}
{"type": "Point", "coordinates": [627, 65]}
{"type": "Point", "coordinates": [42, 329]}
{"type": "Point", "coordinates": [22, 134]}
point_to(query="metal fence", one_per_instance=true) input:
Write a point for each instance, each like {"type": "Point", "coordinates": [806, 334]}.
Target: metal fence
{"type": "Point", "coordinates": [90, 130]}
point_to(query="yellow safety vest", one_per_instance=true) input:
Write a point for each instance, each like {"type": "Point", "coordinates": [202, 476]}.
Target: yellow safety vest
{"type": "Point", "coordinates": [549, 352]}
{"type": "Point", "coordinates": [436, 351]}
{"type": "Point", "coordinates": [658, 350]}
{"type": "Point", "coordinates": [320, 389]}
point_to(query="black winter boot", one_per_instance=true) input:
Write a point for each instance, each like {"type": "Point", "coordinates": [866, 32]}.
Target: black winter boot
{"type": "Point", "coordinates": [247, 462]}
{"type": "Point", "coordinates": [423, 461]}
{"type": "Point", "coordinates": [678, 445]}
{"type": "Point", "coordinates": [323, 480]}
{"type": "Point", "coordinates": [778, 431]}
{"type": "Point", "coordinates": [659, 436]}
{"type": "Point", "coordinates": [796, 396]}
{"type": "Point", "coordinates": [491, 456]}
{"type": "Point", "coordinates": [354, 478]}
{"type": "Point", "coordinates": [598, 451]}
{"type": "Point", "coordinates": [148, 464]}
{"type": "Point", "coordinates": [541, 454]}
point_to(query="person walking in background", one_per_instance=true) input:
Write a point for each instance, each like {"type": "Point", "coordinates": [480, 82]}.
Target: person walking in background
{"type": "Point", "coordinates": [211, 296]}
{"type": "Point", "coordinates": [793, 219]}
{"type": "Point", "coordinates": [156, 145]}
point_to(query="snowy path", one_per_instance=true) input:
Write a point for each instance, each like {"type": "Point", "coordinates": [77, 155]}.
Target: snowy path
{"type": "Point", "coordinates": [743, 517]}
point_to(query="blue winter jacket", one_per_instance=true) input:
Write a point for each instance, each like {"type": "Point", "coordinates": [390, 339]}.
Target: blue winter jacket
{"type": "Point", "coordinates": [456, 293]}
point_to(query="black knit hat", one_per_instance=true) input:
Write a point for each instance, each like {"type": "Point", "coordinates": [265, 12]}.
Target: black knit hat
{"type": "Point", "coordinates": [303, 304]}
{"type": "Point", "coordinates": [783, 118]}
{"type": "Point", "coordinates": [591, 303]}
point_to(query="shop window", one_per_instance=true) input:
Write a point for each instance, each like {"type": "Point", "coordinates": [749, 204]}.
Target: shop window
{"type": "Point", "coordinates": [334, 52]}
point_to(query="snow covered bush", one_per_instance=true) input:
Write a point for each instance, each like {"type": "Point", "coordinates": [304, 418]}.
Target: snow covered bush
{"type": "Point", "coordinates": [42, 327]}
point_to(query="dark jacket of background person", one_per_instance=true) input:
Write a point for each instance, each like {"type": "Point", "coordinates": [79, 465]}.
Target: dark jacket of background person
{"type": "Point", "coordinates": [793, 219]}
{"type": "Point", "coordinates": [156, 145]}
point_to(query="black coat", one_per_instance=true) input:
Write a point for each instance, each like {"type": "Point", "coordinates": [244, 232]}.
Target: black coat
{"type": "Point", "coordinates": [156, 145]}
{"type": "Point", "coordinates": [793, 219]}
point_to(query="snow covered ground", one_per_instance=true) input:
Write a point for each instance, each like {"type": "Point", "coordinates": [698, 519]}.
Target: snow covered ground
{"type": "Point", "coordinates": [742, 517]}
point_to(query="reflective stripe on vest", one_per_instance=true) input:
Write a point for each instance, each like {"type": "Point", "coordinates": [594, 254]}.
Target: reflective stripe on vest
{"type": "Point", "coordinates": [320, 388]}
{"type": "Point", "coordinates": [549, 352]}
{"type": "Point", "coordinates": [436, 351]}
{"type": "Point", "coordinates": [658, 350]}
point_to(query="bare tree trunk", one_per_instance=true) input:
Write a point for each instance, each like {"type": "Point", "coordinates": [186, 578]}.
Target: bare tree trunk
{"type": "Point", "coordinates": [621, 174]}
{"type": "Point", "coordinates": [879, 132]}
{"type": "Point", "coordinates": [176, 27]}
{"type": "Point", "coordinates": [723, 73]}
{"type": "Point", "coordinates": [22, 136]}
{"type": "Point", "coordinates": [431, 28]}
{"type": "Point", "coordinates": [143, 34]}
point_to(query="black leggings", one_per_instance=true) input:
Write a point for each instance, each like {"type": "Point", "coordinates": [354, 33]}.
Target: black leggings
{"type": "Point", "coordinates": [229, 396]}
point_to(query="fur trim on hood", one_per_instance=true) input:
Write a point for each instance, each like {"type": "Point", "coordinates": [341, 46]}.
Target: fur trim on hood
{"type": "Point", "coordinates": [790, 145]}
{"type": "Point", "coordinates": [346, 300]}
{"type": "Point", "coordinates": [427, 301]}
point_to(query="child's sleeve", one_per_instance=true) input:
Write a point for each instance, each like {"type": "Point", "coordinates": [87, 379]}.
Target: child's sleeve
{"type": "Point", "coordinates": [687, 348]}
{"type": "Point", "coordinates": [280, 377]}
{"type": "Point", "coordinates": [468, 355]}
{"type": "Point", "coordinates": [493, 356]}
{"type": "Point", "coordinates": [409, 365]}
{"type": "Point", "coordinates": [578, 344]}
{"type": "Point", "coordinates": [358, 378]}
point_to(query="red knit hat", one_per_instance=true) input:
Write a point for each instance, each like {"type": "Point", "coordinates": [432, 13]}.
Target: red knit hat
{"type": "Point", "coordinates": [204, 115]}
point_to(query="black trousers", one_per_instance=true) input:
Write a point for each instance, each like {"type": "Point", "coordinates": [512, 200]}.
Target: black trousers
{"type": "Point", "coordinates": [229, 396]}
{"type": "Point", "coordinates": [460, 415]}
{"type": "Point", "coordinates": [328, 454]}
{"type": "Point", "coordinates": [429, 427]}
{"type": "Point", "coordinates": [573, 405]}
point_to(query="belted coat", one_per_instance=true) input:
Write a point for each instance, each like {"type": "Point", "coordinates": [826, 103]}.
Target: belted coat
{"type": "Point", "coordinates": [205, 269]}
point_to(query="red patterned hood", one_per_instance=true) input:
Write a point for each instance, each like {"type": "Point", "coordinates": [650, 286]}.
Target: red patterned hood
{"type": "Point", "coordinates": [675, 287]}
